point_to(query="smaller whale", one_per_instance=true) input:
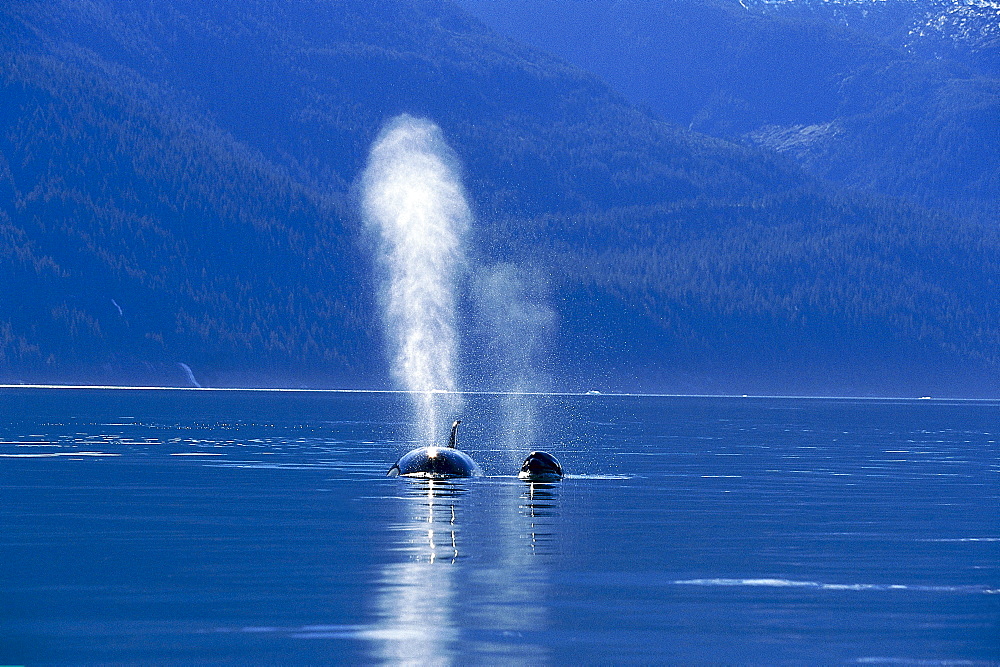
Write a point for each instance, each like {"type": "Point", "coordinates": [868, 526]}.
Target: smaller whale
{"type": "Point", "coordinates": [541, 467]}
{"type": "Point", "coordinates": [437, 462]}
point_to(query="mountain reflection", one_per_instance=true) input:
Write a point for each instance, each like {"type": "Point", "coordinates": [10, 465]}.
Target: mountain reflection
{"type": "Point", "coordinates": [468, 579]}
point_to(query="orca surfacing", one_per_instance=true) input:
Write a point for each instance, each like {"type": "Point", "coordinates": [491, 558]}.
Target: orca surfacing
{"type": "Point", "coordinates": [541, 467]}
{"type": "Point", "coordinates": [437, 462]}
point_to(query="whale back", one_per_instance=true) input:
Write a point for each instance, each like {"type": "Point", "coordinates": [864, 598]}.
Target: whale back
{"type": "Point", "coordinates": [435, 463]}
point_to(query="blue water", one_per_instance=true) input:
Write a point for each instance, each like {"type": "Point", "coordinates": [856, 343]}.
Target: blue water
{"type": "Point", "coordinates": [258, 527]}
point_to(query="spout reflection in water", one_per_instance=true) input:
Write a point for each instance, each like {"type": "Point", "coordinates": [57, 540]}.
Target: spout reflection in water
{"type": "Point", "coordinates": [416, 597]}
{"type": "Point", "coordinates": [472, 577]}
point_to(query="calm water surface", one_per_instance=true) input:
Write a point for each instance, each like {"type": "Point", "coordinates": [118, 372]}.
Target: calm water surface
{"type": "Point", "coordinates": [258, 527]}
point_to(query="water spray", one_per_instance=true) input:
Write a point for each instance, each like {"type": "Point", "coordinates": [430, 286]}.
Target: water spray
{"type": "Point", "coordinates": [414, 200]}
{"type": "Point", "coordinates": [515, 326]}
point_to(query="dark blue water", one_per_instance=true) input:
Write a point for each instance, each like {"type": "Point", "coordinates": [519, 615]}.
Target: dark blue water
{"type": "Point", "coordinates": [250, 527]}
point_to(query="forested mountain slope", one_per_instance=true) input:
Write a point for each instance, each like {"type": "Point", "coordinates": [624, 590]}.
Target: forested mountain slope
{"type": "Point", "coordinates": [176, 187]}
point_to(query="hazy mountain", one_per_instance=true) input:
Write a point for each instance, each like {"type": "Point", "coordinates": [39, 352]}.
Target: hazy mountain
{"type": "Point", "coordinates": [963, 30]}
{"type": "Point", "coordinates": [176, 188]}
{"type": "Point", "coordinates": [854, 91]}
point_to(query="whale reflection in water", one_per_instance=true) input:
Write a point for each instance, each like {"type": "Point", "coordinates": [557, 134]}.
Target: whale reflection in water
{"type": "Point", "coordinates": [468, 574]}
{"type": "Point", "coordinates": [434, 531]}
{"type": "Point", "coordinates": [540, 508]}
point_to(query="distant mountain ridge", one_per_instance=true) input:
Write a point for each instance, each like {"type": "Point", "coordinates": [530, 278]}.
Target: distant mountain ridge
{"type": "Point", "coordinates": [176, 189]}
{"type": "Point", "coordinates": [831, 85]}
{"type": "Point", "coordinates": [968, 30]}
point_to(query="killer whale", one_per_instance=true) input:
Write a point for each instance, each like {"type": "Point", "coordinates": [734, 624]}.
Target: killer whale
{"type": "Point", "coordinates": [437, 462]}
{"type": "Point", "coordinates": [541, 467]}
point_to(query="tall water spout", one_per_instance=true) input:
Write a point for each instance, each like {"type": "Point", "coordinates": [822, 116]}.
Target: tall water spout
{"type": "Point", "coordinates": [414, 200]}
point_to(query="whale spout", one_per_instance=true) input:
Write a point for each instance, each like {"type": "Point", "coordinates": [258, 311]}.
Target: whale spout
{"type": "Point", "coordinates": [541, 467]}
{"type": "Point", "coordinates": [437, 462]}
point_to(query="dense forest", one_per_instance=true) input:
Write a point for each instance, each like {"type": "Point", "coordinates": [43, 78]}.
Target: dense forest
{"type": "Point", "coordinates": [177, 191]}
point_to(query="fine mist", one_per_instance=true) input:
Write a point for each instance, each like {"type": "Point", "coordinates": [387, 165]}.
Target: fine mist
{"type": "Point", "coordinates": [516, 324]}
{"type": "Point", "coordinates": [414, 201]}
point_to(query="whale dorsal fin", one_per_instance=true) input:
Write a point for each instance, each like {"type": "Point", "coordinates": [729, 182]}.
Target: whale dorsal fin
{"type": "Point", "coordinates": [453, 440]}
